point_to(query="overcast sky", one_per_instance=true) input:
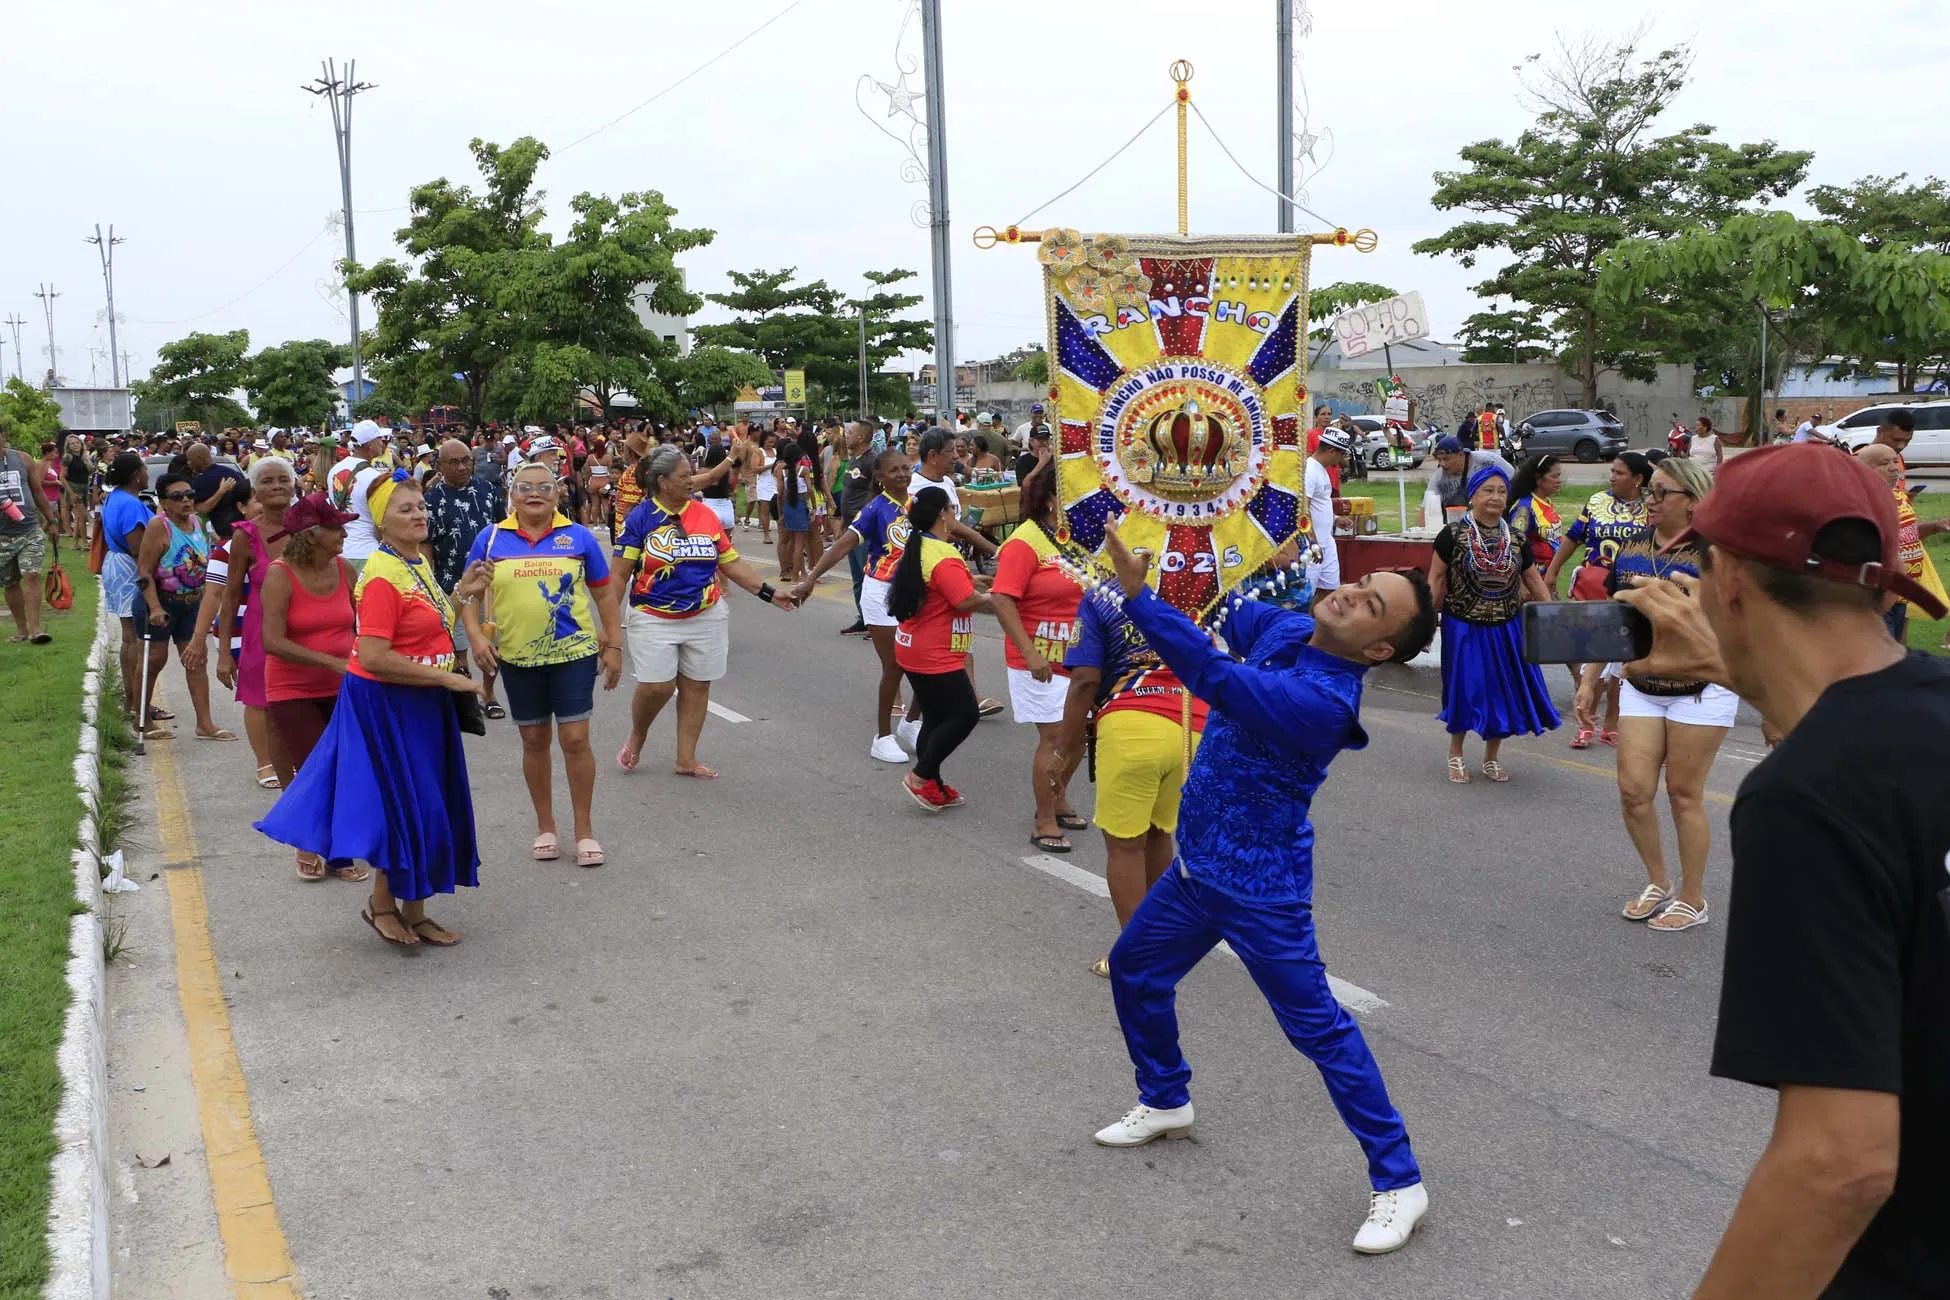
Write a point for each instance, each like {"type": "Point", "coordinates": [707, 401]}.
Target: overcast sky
{"type": "Point", "coordinates": [183, 124]}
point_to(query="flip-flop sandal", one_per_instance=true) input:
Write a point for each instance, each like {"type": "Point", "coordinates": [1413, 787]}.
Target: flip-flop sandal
{"type": "Point", "coordinates": [589, 853]}
{"type": "Point", "coordinates": [1050, 843]}
{"type": "Point", "coordinates": [700, 772]}
{"type": "Point", "coordinates": [1069, 821]}
{"type": "Point", "coordinates": [545, 848]}
{"type": "Point", "coordinates": [1609, 738]}
{"type": "Point", "coordinates": [628, 761]}
{"type": "Point", "coordinates": [371, 918]}
{"type": "Point", "coordinates": [1458, 771]}
{"type": "Point", "coordinates": [988, 708]}
{"type": "Point", "coordinates": [1101, 968]}
{"type": "Point", "coordinates": [159, 733]}
{"type": "Point", "coordinates": [311, 860]}
{"type": "Point", "coordinates": [17, 638]}
{"type": "Point", "coordinates": [1494, 771]}
{"type": "Point", "coordinates": [419, 928]}
{"type": "Point", "coordinates": [159, 714]}
{"type": "Point", "coordinates": [267, 776]}
{"type": "Point", "coordinates": [41, 638]}
{"type": "Point", "coordinates": [355, 873]}
{"type": "Point", "coordinates": [493, 709]}
{"type": "Point", "coordinates": [219, 734]}
{"type": "Point", "coordinates": [1582, 740]}
{"type": "Point", "coordinates": [1677, 916]}
{"type": "Point", "coordinates": [1649, 903]}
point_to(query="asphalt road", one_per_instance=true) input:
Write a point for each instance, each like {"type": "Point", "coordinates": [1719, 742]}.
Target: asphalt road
{"type": "Point", "coordinates": [800, 1039]}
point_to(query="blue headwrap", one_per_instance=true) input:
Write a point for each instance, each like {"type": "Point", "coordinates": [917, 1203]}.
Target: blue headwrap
{"type": "Point", "coordinates": [1483, 476]}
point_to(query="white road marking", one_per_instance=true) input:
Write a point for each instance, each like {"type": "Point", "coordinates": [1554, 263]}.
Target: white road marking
{"type": "Point", "coordinates": [1352, 996]}
{"type": "Point", "coordinates": [729, 715]}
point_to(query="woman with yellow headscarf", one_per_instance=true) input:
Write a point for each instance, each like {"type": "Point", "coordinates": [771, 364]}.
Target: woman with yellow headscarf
{"type": "Point", "coordinates": [387, 782]}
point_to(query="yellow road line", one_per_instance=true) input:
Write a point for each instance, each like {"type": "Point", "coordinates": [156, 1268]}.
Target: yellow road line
{"type": "Point", "coordinates": [255, 1253]}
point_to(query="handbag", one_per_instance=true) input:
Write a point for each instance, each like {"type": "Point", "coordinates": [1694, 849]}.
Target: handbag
{"type": "Point", "coordinates": [97, 546]}
{"type": "Point", "coordinates": [56, 587]}
{"type": "Point", "coordinates": [468, 709]}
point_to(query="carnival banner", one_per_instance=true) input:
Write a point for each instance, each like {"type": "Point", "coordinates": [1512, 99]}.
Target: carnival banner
{"type": "Point", "coordinates": [1179, 387]}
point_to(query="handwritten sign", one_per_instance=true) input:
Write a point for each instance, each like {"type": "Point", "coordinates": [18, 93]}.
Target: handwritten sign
{"type": "Point", "coordinates": [1393, 320]}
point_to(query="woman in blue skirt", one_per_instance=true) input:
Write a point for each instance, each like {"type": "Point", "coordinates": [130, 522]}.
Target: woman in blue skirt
{"type": "Point", "coordinates": [1480, 578]}
{"type": "Point", "coordinates": [387, 782]}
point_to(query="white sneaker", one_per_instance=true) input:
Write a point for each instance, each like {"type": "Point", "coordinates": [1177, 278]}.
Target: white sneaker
{"type": "Point", "coordinates": [908, 734]}
{"type": "Point", "coordinates": [1146, 1124]}
{"type": "Point", "coordinates": [888, 750]}
{"type": "Point", "coordinates": [1392, 1216]}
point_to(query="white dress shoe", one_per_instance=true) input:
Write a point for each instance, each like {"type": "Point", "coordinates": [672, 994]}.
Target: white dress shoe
{"type": "Point", "coordinates": [888, 750]}
{"type": "Point", "coordinates": [1392, 1216]}
{"type": "Point", "coordinates": [908, 734]}
{"type": "Point", "coordinates": [1146, 1124]}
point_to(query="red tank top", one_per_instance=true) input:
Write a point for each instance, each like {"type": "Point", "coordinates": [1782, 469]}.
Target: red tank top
{"type": "Point", "coordinates": [322, 623]}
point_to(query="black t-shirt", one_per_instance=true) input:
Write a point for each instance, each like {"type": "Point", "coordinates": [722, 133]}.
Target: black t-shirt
{"type": "Point", "coordinates": [225, 514]}
{"type": "Point", "coordinates": [856, 486]}
{"type": "Point", "coordinates": [715, 455]}
{"type": "Point", "coordinates": [1838, 940]}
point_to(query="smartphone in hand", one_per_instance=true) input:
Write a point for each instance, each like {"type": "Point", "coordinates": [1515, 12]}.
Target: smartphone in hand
{"type": "Point", "coordinates": [1584, 632]}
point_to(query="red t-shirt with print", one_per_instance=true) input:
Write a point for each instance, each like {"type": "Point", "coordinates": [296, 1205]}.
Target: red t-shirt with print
{"type": "Point", "coordinates": [408, 619]}
{"type": "Point", "coordinates": [937, 638]}
{"type": "Point", "coordinates": [1045, 596]}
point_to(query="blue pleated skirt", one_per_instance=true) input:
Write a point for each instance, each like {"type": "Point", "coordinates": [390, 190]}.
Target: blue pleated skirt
{"type": "Point", "coordinates": [386, 784]}
{"type": "Point", "coordinates": [1487, 687]}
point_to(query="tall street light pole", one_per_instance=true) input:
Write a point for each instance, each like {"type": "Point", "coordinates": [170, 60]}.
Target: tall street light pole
{"type": "Point", "coordinates": [338, 91]}
{"type": "Point", "coordinates": [46, 293]}
{"type": "Point", "coordinates": [944, 309]}
{"type": "Point", "coordinates": [1283, 51]}
{"type": "Point", "coordinates": [13, 322]}
{"type": "Point", "coordinates": [106, 247]}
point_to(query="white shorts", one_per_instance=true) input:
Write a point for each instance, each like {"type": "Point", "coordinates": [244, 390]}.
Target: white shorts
{"type": "Point", "coordinates": [1716, 706]}
{"type": "Point", "coordinates": [1034, 701]}
{"type": "Point", "coordinates": [725, 509]}
{"type": "Point", "coordinates": [766, 488]}
{"type": "Point", "coordinates": [661, 649]}
{"type": "Point", "coordinates": [873, 603]}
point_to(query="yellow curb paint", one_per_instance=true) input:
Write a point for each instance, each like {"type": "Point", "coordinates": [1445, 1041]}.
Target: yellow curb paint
{"type": "Point", "coordinates": [256, 1256]}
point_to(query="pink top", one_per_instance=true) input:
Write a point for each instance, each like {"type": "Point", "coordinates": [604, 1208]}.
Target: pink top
{"type": "Point", "coordinates": [322, 623]}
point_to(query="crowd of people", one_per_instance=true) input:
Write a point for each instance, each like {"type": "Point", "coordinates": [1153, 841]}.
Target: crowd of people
{"type": "Point", "coordinates": [375, 595]}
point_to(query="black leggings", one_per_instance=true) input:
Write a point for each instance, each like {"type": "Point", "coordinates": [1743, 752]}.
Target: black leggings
{"type": "Point", "coordinates": [948, 713]}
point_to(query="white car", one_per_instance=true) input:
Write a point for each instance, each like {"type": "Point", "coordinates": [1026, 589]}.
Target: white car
{"type": "Point", "coordinates": [1930, 446]}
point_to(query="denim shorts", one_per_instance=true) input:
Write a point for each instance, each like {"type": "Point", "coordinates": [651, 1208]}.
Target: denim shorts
{"type": "Point", "coordinates": [563, 692]}
{"type": "Point", "coordinates": [181, 627]}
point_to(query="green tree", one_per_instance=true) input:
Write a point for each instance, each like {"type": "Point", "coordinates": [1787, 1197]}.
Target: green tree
{"type": "Point", "coordinates": [1887, 215]}
{"type": "Point", "coordinates": [1813, 280]}
{"type": "Point", "coordinates": [811, 327]}
{"type": "Point", "coordinates": [28, 416]}
{"type": "Point", "coordinates": [193, 379]}
{"type": "Point", "coordinates": [469, 254]}
{"type": "Point", "coordinates": [1332, 300]}
{"type": "Point", "coordinates": [712, 375]}
{"type": "Point", "coordinates": [1587, 174]}
{"type": "Point", "coordinates": [291, 384]}
{"type": "Point", "coordinates": [1492, 338]}
{"type": "Point", "coordinates": [580, 302]}
{"type": "Point", "coordinates": [1034, 368]}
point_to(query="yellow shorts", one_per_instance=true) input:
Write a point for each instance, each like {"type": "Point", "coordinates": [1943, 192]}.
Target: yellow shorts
{"type": "Point", "coordinates": [1140, 770]}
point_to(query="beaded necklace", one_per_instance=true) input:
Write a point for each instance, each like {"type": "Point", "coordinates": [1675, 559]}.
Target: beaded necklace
{"type": "Point", "coordinates": [1482, 556]}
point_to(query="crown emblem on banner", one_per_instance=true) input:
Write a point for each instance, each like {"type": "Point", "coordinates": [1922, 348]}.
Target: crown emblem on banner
{"type": "Point", "coordinates": [1190, 448]}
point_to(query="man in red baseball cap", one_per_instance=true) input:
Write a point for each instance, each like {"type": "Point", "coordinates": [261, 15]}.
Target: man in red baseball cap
{"type": "Point", "coordinates": [1836, 990]}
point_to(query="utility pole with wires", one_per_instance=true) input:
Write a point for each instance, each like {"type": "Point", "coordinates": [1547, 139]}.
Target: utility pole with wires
{"type": "Point", "coordinates": [14, 322]}
{"type": "Point", "coordinates": [1283, 96]}
{"type": "Point", "coordinates": [46, 293]}
{"type": "Point", "coordinates": [866, 403]}
{"type": "Point", "coordinates": [106, 247]}
{"type": "Point", "coordinates": [338, 91]}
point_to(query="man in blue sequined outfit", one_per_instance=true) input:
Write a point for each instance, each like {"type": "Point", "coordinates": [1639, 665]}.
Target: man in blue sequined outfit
{"type": "Point", "coordinates": [1283, 704]}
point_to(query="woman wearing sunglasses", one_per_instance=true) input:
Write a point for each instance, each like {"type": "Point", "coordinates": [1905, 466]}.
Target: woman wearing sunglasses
{"type": "Point", "coordinates": [170, 567]}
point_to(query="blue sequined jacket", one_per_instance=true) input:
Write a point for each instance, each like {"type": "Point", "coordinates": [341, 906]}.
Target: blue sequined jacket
{"type": "Point", "coordinates": [1278, 718]}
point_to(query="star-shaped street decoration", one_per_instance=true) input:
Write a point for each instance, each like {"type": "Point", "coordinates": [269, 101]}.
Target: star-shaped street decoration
{"type": "Point", "coordinates": [1303, 144]}
{"type": "Point", "coordinates": [900, 99]}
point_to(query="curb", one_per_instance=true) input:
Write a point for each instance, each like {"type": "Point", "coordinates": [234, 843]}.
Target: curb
{"type": "Point", "coordinates": [77, 1229]}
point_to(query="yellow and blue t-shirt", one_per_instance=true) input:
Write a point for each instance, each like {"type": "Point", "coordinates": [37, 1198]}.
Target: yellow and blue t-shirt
{"type": "Point", "coordinates": [677, 558]}
{"type": "Point", "coordinates": [543, 610]}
